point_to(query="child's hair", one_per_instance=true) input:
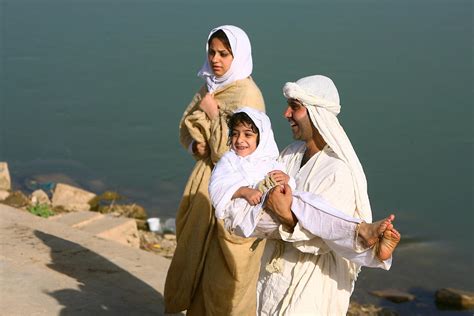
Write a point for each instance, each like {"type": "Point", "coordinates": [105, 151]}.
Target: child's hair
{"type": "Point", "coordinates": [220, 34]}
{"type": "Point", "coordinates": [241, 118]}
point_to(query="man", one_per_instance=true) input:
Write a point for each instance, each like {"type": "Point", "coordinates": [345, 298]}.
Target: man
{"type": "Point", "coordinates": [301, 274]}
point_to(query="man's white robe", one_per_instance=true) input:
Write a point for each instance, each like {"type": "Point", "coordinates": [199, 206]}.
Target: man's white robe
{"type": "Point", "coordinates": [300, 275]}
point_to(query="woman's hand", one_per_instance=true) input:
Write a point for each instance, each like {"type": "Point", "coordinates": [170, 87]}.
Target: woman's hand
{"type": "Point", "coordinates": [209, 106]}
{"type": "Point", "coordinates": [201, 150]}
{"type": "Point", "coordinates": [279, 176]}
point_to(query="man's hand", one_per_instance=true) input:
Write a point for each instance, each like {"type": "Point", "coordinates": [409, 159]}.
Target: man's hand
{"type": "Point", "coordinates": [209, 106]}
{"type": "Point", "coordinates": [279, 203]}
{"type": "Point", "coordinates": [201, 150]}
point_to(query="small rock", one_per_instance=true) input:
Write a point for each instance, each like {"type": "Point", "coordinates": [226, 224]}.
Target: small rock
{"type": "Point", "coordinates": [5, 181]}
{"type": "Point", "coordinates": [356, 309]}
{"type": "Point", "coordinates": [17, 199]}
{"type": "Point", "coordinates": [40, 197]}
{"type": "Point", "coordinates": [394, 295]}
{"type": "Point", "coordinates": [169, 237]}
{"type": "Point", "coordinates": [107, 197]}
{"type": "Point", "coordinates": [155, 243]}
{"type": "Point", "coordinates": [455, 298]}
{"type": "Point", "coordinates": [4, 194]}
{"type": "Point", "coordinates": [71, 198]}
{"type": "Point", "coordinates": [110, 196]}
{"type": "Point", "coordinates": [128, 210]}
{"type": "Point", "coordinates": [141, 224]}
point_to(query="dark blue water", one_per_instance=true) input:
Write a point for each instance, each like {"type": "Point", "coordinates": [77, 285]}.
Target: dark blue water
{"type": "Point", "coordinates": [92, 92]}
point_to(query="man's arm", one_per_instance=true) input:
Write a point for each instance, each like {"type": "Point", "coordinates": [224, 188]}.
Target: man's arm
{"type": "Point", "coordinates": [322, 219]}
{"type": "Point", "coordinates": [279, 203]}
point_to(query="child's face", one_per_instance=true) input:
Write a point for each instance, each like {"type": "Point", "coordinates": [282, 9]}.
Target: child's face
{"type": "Point", "coordinates": [244, 140]}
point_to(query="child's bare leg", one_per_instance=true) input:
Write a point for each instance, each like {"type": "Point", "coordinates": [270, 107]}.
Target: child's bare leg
{"type": "Point", "coordinates": [371, 233]}
{"type": "Point", "coordinates": [387, 244]}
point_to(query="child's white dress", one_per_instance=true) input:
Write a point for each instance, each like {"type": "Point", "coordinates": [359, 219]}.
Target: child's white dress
{"type": "Point", "coordinates": [233, 172]}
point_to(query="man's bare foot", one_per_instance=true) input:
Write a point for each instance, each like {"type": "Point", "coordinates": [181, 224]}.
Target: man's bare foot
{"type": "Point", "coordinates": [387, 244]}
{"type": "Point", "coordinates": [371, 233]}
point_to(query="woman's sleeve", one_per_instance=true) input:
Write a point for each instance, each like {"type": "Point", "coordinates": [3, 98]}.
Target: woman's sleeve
{"type": "Point", "coordinates": [184, 136]}
{"type": "Point", "coordinates": [219, 136]}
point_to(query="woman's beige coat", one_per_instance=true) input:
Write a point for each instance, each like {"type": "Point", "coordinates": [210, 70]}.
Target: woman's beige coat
{"type": "Point", "coordinates": [212, 271]}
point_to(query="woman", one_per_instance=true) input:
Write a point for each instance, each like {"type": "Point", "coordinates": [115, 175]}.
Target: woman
{"type": "Point", "coordinates": [213, 272]}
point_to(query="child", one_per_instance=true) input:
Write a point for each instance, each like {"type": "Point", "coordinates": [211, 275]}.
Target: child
{"type": "Point", "coordinates": [243, 176]}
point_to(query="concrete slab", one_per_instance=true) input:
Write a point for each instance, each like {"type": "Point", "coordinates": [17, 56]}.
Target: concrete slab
{"type": "Point", "coordinates": [76, 219]}
{"type": "Point", "coordinates": [5, 180]}
{"type": "Point", "coordinates": [4, 194]}
{"type": "Point", "coordinates": [118, 229]}
{"type": "Point", "coordinates": [47, 268]}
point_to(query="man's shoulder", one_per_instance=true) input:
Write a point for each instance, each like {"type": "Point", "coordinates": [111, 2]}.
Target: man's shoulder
{"type": "Point", "coordinates": [336, 163]}
{"type": "Point", "coordinates": [294, 147]}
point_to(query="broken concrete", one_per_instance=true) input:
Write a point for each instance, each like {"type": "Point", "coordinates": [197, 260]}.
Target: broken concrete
{"type": "Point", "coordinates": [71, 198]}
{"type": "Point", "coordinates": [5, 181]}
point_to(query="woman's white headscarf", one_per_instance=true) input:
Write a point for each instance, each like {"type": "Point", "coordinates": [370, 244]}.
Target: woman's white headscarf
{"type": "Point", "coordinates": [233, 172]}
{"type": "Point", "coordinates": [320, 96]}
{"type": "Point", "coordinates": [241, 66]}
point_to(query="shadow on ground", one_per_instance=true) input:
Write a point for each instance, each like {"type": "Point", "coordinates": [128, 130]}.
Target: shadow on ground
{"type": "Point", "coordinates": [104, 287]}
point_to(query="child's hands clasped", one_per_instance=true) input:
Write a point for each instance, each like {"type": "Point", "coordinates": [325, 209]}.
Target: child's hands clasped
{"type": "Point", "coordinates": [279, 176]}
{"type": "Point", "coordinates": [252, 196]}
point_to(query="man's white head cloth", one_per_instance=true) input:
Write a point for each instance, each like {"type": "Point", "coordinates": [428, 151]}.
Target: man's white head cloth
{"type": "Point", "coordinates": [319, 95]}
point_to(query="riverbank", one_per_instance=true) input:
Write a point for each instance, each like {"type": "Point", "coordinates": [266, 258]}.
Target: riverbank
{"type": "Point", "coordinates": [49, 268]}
{"type": "Point", "coordinates": [394, 299]}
